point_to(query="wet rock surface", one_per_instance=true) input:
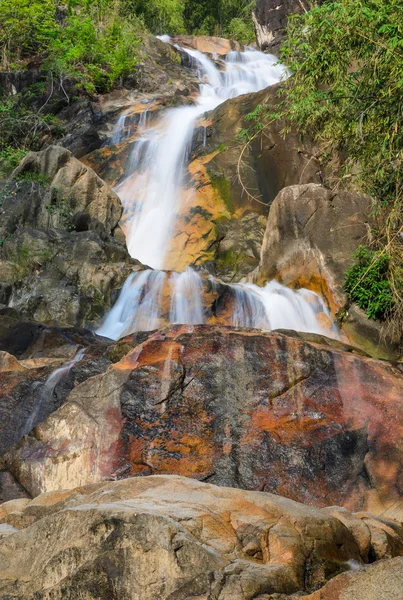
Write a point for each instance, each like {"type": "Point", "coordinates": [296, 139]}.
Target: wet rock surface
{"type": "Point", "coordinates": [221, 224]}
{"type": "Point", "coordinates": [171, 537]}
{"type": "Point", "coordinates": [299, 415]}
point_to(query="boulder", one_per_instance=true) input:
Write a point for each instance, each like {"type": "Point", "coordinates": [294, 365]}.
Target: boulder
{"type": "Point", "coordinates": [74, 197]}
{"type": "Point", "coordinates": [62, 278]}
{"type": "Point", "coordinates": [299, 415]}
{"type": "Point", "coordinates": [208, 44]}
{"type": "Point", "coordinates": [171, 537]}
{"type": "Point", "coordinates": [311, 236]}
{"type": "Point", "coordinates": [62, 255]}
{"type": "Point", "coordinates": [270, 20]}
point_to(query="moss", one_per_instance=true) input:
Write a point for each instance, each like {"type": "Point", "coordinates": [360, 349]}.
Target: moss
{"type": "Point", "coordinates": [40, 178]}
{"type": "Point", "coordinates": [222, 188]}
{"type": "Point", "coordinates": [222, 148]}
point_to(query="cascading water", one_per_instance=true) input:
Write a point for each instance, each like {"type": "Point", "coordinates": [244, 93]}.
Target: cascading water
{"type": "Point", "coordinates": [151, 196]}
{"type": "Point", "coordinates": [141, 305]}
{"type": "Point", "coordinates": [152, 193]}
{"type": "Point", "coordinates": [125, 126]}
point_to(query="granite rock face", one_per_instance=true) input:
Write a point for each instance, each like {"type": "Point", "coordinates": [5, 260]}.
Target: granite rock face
{"type": "Point", "coordinates": [311, 236]}
{"type": "Point", "coordinates": [76, 198]}
{"type": "Point", "coordinates": [299, 415]}
{"type": "Point", "coordinates": [174, 538]}
{"type": "Point", "coordinates": [63, 259]}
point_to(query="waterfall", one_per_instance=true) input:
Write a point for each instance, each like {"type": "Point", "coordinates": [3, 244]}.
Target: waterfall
{"type": "Point", "coordinates": [151, 299]}
{"type": "Point", "coordinates": [151, 195]}
{"type": "Point", "coordinates": [205, 67]}
{"type": "Point", "coordinates": [187, 294]}
{"type": "Point", "coordinates": [125, 124]}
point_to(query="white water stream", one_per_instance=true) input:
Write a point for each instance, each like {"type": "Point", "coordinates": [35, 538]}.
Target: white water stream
{"type": "Point", "coordinates": [152, 193]}
{"type": "Point", "coordinates": [151, 196]}
{"type": "Point", "coordinates": [140, 306]}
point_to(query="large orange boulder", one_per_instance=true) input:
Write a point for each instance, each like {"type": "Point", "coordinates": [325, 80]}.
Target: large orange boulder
{"type": "Point", "coordinates": [301, 416]}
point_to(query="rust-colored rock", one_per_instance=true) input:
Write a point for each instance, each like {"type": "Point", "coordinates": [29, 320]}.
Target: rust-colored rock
{"type": "Point", "coordinates": [305, 418]}
{"type": "Point", "coordinates": [208, 44]}
{"type": "Point", "coordinates": [171, 537]}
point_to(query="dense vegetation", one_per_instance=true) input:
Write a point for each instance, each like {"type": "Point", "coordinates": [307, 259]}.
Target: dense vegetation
{"type": "Point", "coordinates": [88, 46]}
{"type": "Point", "coordinates": [91, 41]}
{"type": "Point", "coordinates": [347, 89]}
{"type": "Point", "coordinates": [228, 18]}
{"type": "Point", "coordinates": [84, 46]}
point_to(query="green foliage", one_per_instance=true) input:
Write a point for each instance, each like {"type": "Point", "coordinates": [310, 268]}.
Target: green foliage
{"type": "Point", "coordinates": [94, 53]}
{"type": "Point", "coordinates": [9, 159]}
{"type": "Point", "coordinates": [347, 92]}
{"type": "Point", "coordinates": [160, 16]}
{"type": "Point", "coordinates": [228, 18]}
{"type": "Point", "coordinates": [91, 43]}
{"type": "Point", "coordinates": [40, 178]}
{"type": "Point", "coordinates": [26, 26]}
{"type": "Point", "coordinates": [241, 30]}
{"type": "Point", "coordinates": [21, 128]}
{"type": "Point", "coordinates": [367, 283]}
{"type": "Point", "coordinates": [94, 44]}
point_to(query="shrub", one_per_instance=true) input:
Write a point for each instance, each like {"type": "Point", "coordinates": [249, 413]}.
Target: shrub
{"type": "Point", "coordinates": [241, 30]}
{"type": "Point", "coordinates": [26, 27]}
{"type": "Point", "coordinates": [367, 283]}
{"type": "Point", "coordinates": [94, 55]}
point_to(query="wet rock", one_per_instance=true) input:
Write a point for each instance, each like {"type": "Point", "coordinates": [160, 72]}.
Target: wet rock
{"type": "Point", "coordinates": [30, 387]}
{"type": "Point", "coordinates": [171, 537]}
{"type": "Point", "coordinates": [309, 419]}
